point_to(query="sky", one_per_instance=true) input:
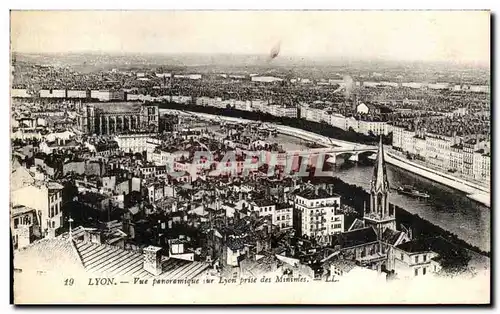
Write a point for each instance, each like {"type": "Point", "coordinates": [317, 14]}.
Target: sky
{"type": "Point", "coordinates": [457, 36]}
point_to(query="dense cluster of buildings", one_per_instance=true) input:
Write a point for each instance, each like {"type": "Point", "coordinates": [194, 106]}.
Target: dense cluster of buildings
{"type": "Point", "coordinates": [469, 156]}
{"type": "Point", "coordinates": [106, 184]}
{"type": "Point", "coordinates": [112, 197]}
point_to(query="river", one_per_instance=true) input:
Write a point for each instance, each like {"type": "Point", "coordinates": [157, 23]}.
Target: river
{"type": "Point", "coordinates": [448, 208]}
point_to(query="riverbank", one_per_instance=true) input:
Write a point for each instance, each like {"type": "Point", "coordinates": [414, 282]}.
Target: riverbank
{"type": "Point", "coordinates": [297, 127]}
{"type": "Point", "coordinates": [305, 135]}
{"type": "Point", "coordinates": [473, 191]}
{"type": "Point", "coordinates": [356, 197]}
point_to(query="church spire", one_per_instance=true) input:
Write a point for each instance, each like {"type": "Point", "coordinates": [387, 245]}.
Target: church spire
{"type": "Point", "coordinates": [381, 216]}
{"type": "Point", "coordinates": [380, 184]}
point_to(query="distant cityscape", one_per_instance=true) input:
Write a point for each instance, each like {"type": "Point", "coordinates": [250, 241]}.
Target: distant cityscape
{"type": "Point", "coordinates": [445, 125]}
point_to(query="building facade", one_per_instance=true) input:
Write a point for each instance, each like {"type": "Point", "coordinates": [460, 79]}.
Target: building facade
{"type": "Point", "coordinates": [115, 118]}
{"type": "Point", "coordinates": [319, 212]}
{"type": "Point", "coordinates": [46, 199]}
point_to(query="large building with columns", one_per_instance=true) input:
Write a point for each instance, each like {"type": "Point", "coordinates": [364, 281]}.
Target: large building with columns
{"type": "Point", "coordinates": [118, 118]}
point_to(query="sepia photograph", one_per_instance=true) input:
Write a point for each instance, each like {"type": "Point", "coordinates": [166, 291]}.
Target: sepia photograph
{"type": "Point", "coordinates": [250, 157]}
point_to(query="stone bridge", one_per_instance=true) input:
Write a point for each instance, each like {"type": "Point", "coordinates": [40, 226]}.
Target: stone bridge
{"type": "Point", "coordinates": [353, 151]}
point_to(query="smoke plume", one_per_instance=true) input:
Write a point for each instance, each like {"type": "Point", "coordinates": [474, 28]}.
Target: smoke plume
{"type": "Point", "coordinates": [349, 85]}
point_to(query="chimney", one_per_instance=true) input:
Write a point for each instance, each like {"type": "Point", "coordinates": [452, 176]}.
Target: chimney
{"type": "Point", "coordinates": [24, 235]}
{"type": "Point", "coordinates": [236, 216]}
{"type": "Point", "coordinates": [152, 260]}
{"type": "Point", "coordinates": [93, 236]}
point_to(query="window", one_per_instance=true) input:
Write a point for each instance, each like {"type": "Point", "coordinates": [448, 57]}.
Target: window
{"type": "Point", "coordinates": [425, 258]}
{"type": "Point", "coordinates": [416, 271]}
{"type": "Point", "coordinates": [416, 259]}
{"type": "Point", "coordinates": [402, 257]}
{"type": "Point", "coordinates": [16, 222]}
{"type": "Point", "coordinates": [423, 271]}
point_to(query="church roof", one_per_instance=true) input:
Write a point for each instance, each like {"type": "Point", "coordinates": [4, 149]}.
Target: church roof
{"type": "Point", "coordinates": [357, 237]}
{"type": "Point", "coordinates": [432, 244]}
{"type": "Point", "coordinates": [391, 237]}
{"type": "Point", "coordinates": [357, 224]}
{"type": "Point", "coordinates": [379, 179]}
{"type": "Point", "coordinates": [118, 107]}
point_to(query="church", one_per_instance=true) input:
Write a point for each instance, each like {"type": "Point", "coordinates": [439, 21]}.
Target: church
{"type": "Point", "coordinates": [112, 118]}
{"type": "Point", "coordinates": [370, 241]}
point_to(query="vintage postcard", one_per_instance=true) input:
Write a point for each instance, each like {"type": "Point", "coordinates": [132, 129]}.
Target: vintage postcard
{"type": "Point", "coordinates": [250, 157]}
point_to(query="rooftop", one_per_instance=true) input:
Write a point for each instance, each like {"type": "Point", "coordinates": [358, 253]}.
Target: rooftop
{"type": "Point", "coordinates": [357, 237]}
{"type": "Point", "coordinates": [116, 261]}
{"type": "Point", "coordinates": [435, 244]}
{"type": "Point", "coordinates": [264, 202]}
{"type": "Point", "coordinates": [391, 236]}
{"type": "Point", "coordinates": [20, 209]}
{"type": "Point", "coordinates": [118, 107]}
{"type": "Point", "coordinates": [316, 194]}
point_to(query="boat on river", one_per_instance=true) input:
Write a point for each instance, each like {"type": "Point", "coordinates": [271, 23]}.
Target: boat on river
{"type": "Point", "coordinates": [411, 191]}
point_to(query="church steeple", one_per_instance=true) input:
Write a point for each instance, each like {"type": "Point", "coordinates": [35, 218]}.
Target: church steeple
{"type": "Point", "coordinates": [380, 184]}
{"type": "Point", "coordinates": [380, 215]}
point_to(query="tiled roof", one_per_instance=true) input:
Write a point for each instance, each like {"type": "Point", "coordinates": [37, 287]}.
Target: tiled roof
{"type": "Point", "coordinates": [343, 264]}
{"type": "Point", "coordinates": [115, 261]}
{"type": "Point", "coordinates": [49, 255]}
